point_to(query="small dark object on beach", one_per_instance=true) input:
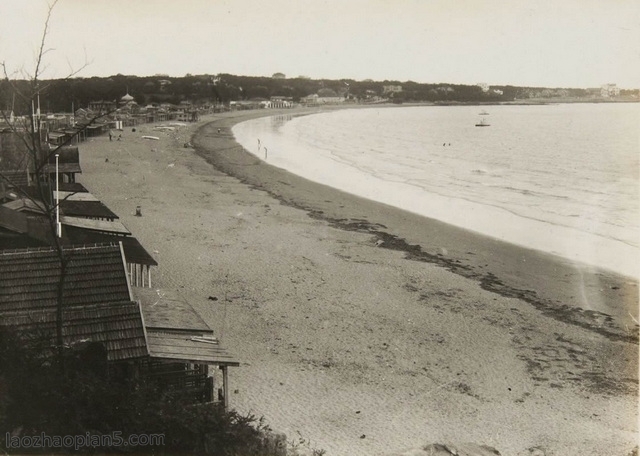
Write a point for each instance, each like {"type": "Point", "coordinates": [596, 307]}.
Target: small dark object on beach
{"type": "Point", "coordinates": [133, 130]}
{"type": "Point", "coordinates": [138, 211]}
{"type": "Point", "coordinates": [106, 160]}
{"type": "Point", "coordinates": [362, 436]}
{"type": "Point", "coordinates": [212, 298]}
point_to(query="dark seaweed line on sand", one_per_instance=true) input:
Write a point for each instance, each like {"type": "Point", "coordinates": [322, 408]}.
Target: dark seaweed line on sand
{"type": "Point", "coordinates": [487, 281]}
{"type": "Point", "coordinates": [222, 160]}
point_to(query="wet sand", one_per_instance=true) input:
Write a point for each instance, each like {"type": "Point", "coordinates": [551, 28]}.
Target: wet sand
{"type": "Point", "coordinates": [366, 329]}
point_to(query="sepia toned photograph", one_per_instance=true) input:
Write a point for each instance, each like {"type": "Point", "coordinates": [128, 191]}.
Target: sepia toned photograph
{"type": "Point", "coordinates": [319, 227]}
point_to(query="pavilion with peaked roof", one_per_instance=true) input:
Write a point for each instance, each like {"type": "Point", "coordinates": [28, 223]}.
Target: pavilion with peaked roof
{"type": "Point", "coordinates": [127, 98]}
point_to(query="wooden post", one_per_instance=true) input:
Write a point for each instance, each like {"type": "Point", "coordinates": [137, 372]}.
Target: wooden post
{"type": "Point", "coordinates": [149, 271]}
{"type": "Point", "coordinates": [225, 386]}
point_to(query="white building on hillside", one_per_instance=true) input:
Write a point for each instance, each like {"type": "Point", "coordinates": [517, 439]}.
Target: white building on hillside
{"type": "Point", "coordinates": [610, 90]}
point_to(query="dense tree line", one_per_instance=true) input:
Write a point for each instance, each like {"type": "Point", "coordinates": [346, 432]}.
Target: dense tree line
{"type": "Point", "coordinates": [61, 95]}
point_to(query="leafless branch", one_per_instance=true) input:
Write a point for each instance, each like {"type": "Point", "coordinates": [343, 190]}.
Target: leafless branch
{"type": "Point", "coordinates": [43, 51]}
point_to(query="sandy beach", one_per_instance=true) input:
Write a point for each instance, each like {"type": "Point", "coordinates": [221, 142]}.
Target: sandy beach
{"type": "Point", "coordinates": [364, 329]}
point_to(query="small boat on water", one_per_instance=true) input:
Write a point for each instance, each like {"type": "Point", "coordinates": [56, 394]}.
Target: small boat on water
{"type": "Point", "coordinates": [483, 123]}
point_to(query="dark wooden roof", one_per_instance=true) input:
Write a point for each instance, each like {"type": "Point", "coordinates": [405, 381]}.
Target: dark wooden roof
{"type": "Point", "coordinates": [13, 221]}
{"type": "Point", "coordinates": [38, 235]}
{"type": "Point", "coordinates": [35, 193]}
{"type": "Point", "coordinates": [66, 154]}
{"type": "Point", "coordinates": [180, 346]}
{"type": "Point", "coordinates": [175, 331]}
{"type": "Point", "coordinates": [49, 168]}
{"type": "Point", "coordinates": [134, 252]}
{"type": "Point", "coordinates": [75, 208]}
{"type": "Point", "coordinates": [30, 278]}
{"type": "Point", "coordinates": [118, 325]}
{"type": "Point", "coordinates": [72, 187]}
{"type": "Point", "coordinates": [165, 309]}
{"type": "Point", "coordinates": [17, 178]}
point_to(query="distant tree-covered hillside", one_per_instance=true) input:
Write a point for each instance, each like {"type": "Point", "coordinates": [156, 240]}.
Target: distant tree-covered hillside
{"type": "Point", "coordinates": [61, 95]}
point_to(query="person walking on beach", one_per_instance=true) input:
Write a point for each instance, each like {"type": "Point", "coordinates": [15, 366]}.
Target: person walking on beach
{"type": "Point", "coordinates": [110, 135]}
{"type": "Point", "coordinates": [265, 153]}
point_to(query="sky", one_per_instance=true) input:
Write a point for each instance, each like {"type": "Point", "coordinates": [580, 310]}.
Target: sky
{"type": "Point", "coordinates": [543, 43]}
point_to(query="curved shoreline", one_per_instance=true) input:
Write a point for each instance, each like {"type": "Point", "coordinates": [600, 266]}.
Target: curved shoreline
{"type": "Point", "coordinates": [361, 349]}
{"type": "Point", "coordinates": [577, 294]}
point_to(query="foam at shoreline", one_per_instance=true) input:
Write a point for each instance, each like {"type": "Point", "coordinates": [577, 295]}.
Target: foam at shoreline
{"type": "Point", "coordinates": [320, 166]}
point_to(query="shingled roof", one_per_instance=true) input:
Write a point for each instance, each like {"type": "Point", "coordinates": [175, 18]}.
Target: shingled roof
{"type": "Point", "coordinates": [48, 168]}
{"type": "Point", "coordinates": [134, 252]}
{"type": "Point", "coordinates": [117, 325]}
{"type": "Point", "coordinates": [86, 209]}
{"type": "Point", "coordinates": [95, 274]}
{"type": "Point", "coordinates": [15, 178]}
{"type": "Point", "coordinates": [194, 348]}
{"type": "Point", "coordinates": [175, 331]}
{"type": "Point", "coordinates": [68, 160]}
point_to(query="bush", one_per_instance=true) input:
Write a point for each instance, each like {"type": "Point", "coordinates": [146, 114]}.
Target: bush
{"type": "Point", "coordinates": [38, 396]}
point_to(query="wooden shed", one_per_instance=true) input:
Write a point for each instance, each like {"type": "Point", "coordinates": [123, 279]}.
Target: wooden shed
{"type": "Point", "coordinates": [68, 164]}
{"type": "Point", "coordinates": [139, 261]}
{"type": "Point", "coordinates": [160, 336]}
{"type": "Point", "coordinates": [182, 347]}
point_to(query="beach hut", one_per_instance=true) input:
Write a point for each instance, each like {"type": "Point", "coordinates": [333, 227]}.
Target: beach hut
{"type": "Point", "coordinates": [68, 164]}
{"type": "Point", "coordinates": [138, 261]}
{"type": "Point", "coordinates": [183, 349]}
{"type": "Point", "coordinates": [15, 178]}
{"type": "Point", "coordinates": [85, 205]}
{"type": "Point", "coordinates": [98, 301]}
{"type": "Point", "coordinates": [157, 335]}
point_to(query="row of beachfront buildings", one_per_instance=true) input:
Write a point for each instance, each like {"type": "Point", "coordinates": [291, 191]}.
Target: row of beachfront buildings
{"type": "Point", "coordinates": [108, 299]}
{"type": "Point", "coordinates": [99, 117]}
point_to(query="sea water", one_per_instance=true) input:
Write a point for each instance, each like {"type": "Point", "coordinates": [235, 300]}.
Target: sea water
{"type": "Point", "coordinates": [559, 178]}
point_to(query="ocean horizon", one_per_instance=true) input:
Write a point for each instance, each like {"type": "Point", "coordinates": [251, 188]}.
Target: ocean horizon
{"type": "Point", "coordinates": [562, 178]}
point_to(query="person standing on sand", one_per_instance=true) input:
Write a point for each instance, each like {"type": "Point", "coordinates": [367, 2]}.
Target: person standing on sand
{"type": "Point", "coordinates": [110, 135]}
{"type": "Point", "coordinates": [265, 153]}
